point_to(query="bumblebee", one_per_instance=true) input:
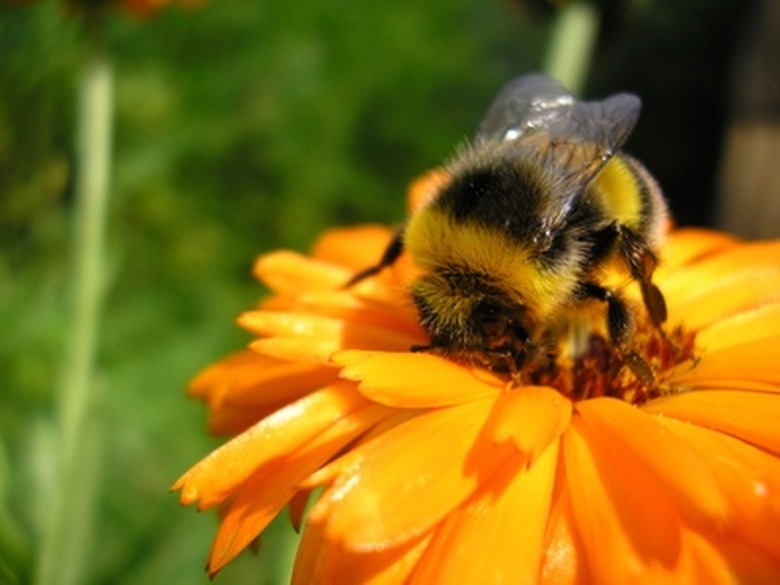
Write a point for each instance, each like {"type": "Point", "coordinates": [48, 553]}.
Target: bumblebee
{"type": "Point", "coordinates": [519, 237]}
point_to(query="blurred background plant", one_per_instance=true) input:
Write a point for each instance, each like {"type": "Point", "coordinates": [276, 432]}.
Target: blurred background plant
{"type": "Point", "coordinates": [240, 127]}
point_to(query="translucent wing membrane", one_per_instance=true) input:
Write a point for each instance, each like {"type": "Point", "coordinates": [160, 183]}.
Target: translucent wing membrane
{"type": "Point", "coordinates": [525, 104]}
{"type": "Point", "coordinates": [537, 104]}
{"type": "Point", "coordinates": [538, 114]}
{"type": "Point", "coordinates": [607, 123]}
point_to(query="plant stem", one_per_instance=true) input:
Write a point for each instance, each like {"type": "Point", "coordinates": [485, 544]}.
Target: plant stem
{"type": "Point", "coordinates": [73, 497]}
{"type": "Point", "coordinates": [571, 46]}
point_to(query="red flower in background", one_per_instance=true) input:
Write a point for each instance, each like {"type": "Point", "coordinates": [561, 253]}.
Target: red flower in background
{"type": "Point", "coordinates": [136, 8]}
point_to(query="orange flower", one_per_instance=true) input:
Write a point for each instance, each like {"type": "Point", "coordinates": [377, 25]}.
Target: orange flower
{"type": "Point", "coordinates": [437, 472]}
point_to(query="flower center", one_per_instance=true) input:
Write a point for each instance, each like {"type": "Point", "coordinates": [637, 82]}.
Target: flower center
{"type": "Point", "coordinates": [634, 374]}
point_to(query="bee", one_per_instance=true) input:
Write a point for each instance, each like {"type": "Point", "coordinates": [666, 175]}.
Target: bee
{"type": "Point", "coordinates": [519, 237]}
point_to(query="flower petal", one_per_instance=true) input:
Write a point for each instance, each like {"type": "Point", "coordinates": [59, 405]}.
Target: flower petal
{"type": "Point", "coordinates": [261, 496]}
{"type": "Point", "coordinates": [750, 416]}
{"type": "Point", "coordinates": [343, 304]}
{"type": "Point", "coordinates": [297, 508]}
{"type": "Point", "coordinates": [290, 348]}
{"type": "Point", "coordinates": [306, 336]}
{"type": "Point", "coordinates": [497, 536]}
{"type": "Point", "coordinates": [254, 380]}
{"type": "Point", "coordinates": [343, 466]}
{"type": "Point", "coordinates": [214, 478]}
{"type": "Point", "coordinates": [531, 417]}
{"type": "Point", "coordinates": [755, 324]}
{"type": "Point", "coordinates": [563, 560]}
{"type": "Point", "coordinates": [339, 255]}
{"type": "Point", "coordinates": [731, 366]}
{"type": "Point", "coordinates": [229, 420]}
{"type": "Point", "coordinates": [212, 383]}
{"type": "Point", "coordinates": [687, 246]}
{"type": "Point", "coordinates": [749, 477]}
{"type": "Point", "coordinates": [425, 188]}
{"type": "Point", "coordinates": [742, 278]}
{"type": "Point", "coordinates": [407, 480]}
{"type": "Point", "coordinates": [415, 380]}
{"type": "Point", "coordinates": [290, 273]}
{"type": "Point", "coordinates": [319, 560]}
{"type": "Point", "coordinates": [627, 432]}
{"type": "Point", "coordinates": [355, 247]}
{"type": "Point", "coordinates": [717, 559]}
{"type": "Point", "coordinates": [629, 527]}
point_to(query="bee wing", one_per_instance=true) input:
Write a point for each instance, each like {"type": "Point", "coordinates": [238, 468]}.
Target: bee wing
{"type": "Point", "coordinates": [537, 112]}
{"type": "Point", "coordinates": [573, 139]}
{"type": "Point", "coordinates": [524, 105]}
{"type": "Point", "coordinates": [606, 123]}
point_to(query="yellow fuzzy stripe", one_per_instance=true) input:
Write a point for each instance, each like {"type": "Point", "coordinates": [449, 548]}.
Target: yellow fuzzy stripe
{"type": "Point", "coordinates": [435, 241]}
{"type": "Point", "coordinates": [616, 191]}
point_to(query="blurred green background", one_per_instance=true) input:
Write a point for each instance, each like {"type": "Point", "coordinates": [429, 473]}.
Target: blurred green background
{"type": "Point", "coordinates": [242, 127]}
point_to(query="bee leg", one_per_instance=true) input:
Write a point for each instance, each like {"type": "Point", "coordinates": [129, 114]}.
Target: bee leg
{"type": "Point", "coordinates": [618, 316]}
{"type": "Point", "coordinates": [389, 256]}
{"type": "Point", "coordinates": [642, 263]}
{"type": "Point", "coordinates": [620, 324]}
{"type": "Point", "coordinates": [505, 360]}
{"type": "Point", "coordinates": [640, 368]}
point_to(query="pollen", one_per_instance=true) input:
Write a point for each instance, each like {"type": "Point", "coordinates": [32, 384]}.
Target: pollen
{"type": "Point", "coordinates": [634, 374]}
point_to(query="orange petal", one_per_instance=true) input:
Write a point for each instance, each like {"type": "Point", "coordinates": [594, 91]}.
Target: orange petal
{"type": "Point", "coordinates": [290, 324]}
{"type": "Point", "coordinates": [531, 417]}
{"type": "Point", "coordinates": [628, 526]}
{"type": "Point", "coordinates": [355, 247]}
{"type": "Point", "coordinates": [302, 335]}
{"type": "Point", "coordinates": [497, 536]}
{"type": "Point", "coordinates": [342, 467]}
{"type": "Point", "coordinates": [215, 381]}
{"type": "Point", "coordinates": [754, 361]}
{"type": "Point", "coordinates": [290, 348]}
{"type": "Point", "coordinates": [742, 278]}
{"type": "Point", "coordinates": [260, 497]}
{"type": "Point", "coordinates": [251, 379]}
{"type": "Point", "coordinates": [321, 560]}
{"type": "Point", "coordinates": [405, 481]}
{"type": "Point", "coordinates": [749, 478]}
{"type": "Point", "coordinates": [297, 507]}
{"type": "Point", "coordinates": [690, 245]}
{"type": "Point", "coordinates": [750, 416]}
{"type": "Point", "coordinates": [629, 433]}
{"type": "Point", "coordinates": [717, 559]}
{"type": "Point", "coordinates": [564, 558]}
{"type": "Point", "coordinates": [755, 324]}
{"type": "Point", "coordinates": [215, 477]}
{"type": "Point", "coordinates": [279, 382]}
{"type": "Point", "coordinates": [415, 380]}
{"type": "Point", "coordinates": [425, 188]}
{"type": "Point", "coordinates": [348, 306]}
{"type": "Point", "coordinates": [291, 273]}
{"type": "Point", "coordinates": [228, 420]}
{"type": "Point", "coordinates": [313, 558]}
{"type": "Point", "coordinates": [730, 296]}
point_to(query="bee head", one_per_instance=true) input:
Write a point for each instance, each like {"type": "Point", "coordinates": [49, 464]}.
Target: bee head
{"type": "Point", "coordinates": [465, 314]}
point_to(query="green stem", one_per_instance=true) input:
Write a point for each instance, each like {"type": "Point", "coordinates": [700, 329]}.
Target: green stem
{"type": "Point", "coordinates": [571, 46]}
{"type": "Point", "coordinates": [72, 500]}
